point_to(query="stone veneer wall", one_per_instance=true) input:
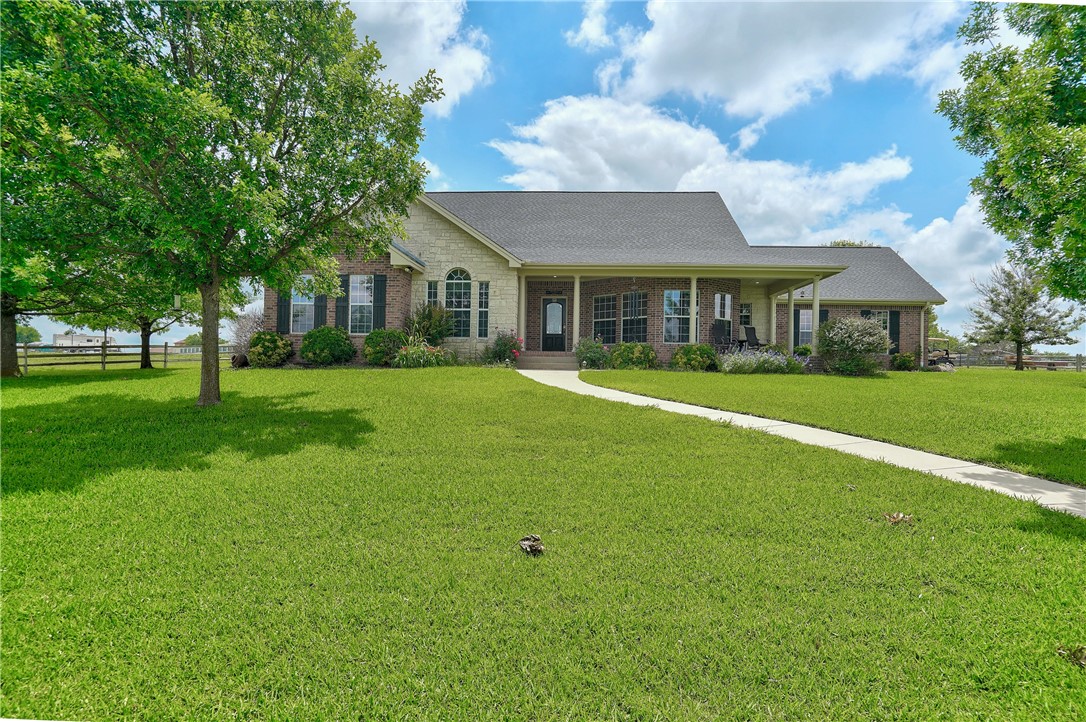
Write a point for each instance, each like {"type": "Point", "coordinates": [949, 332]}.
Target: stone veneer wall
{"type": "Point", "coordinates": [912, 328]}
{"type": "Point", "coordinates": [444, 246]}
{"type": "Point", "coordinates": [397, 297]}
{"type": "Point", "coordinates": [540, 288]}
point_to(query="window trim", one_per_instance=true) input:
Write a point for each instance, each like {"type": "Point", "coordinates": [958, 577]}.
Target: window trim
{"type": "Point", "coordinates": [749, 314]}
{"type": "Point", "coordinates": [432, 293]}
{"type": "Point", "coordinates": [483, 311]}
{"type": "Point", "coordinates": [809, 312]}
{"type": "Point", "coordinates": [679, 316]}
{"type": "Point", "coordinates": [642, 298]}
{"type": "Point", "coordinates": [311, 302]}
{"type": "Point", "coordinates": [457, 285]}
{"type": "Point", "coordinates": [351, 304]}
{"type": "Point", "coordinates": [613, 320]}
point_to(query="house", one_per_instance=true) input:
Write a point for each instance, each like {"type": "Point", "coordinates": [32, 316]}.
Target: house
{"type": "Point", "coordinates": [80, 340]}
{"type": "Point", "coordinates": [624, 266]}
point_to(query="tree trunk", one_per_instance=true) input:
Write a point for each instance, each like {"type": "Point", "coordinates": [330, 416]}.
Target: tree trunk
{"type": "Point", "coordinates": [9, 352]}
{"type": "Point", "coordinates": [209, 363]}
{"type": "Point", "coordinates": [145, 343]}
{"type": "Point", "coordinates": [1018, 365]}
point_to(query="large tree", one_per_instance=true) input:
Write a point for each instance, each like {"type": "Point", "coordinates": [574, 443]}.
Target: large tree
{"type": "Point", "coordinates": [250, 140]}
{"type": "Point", "coordinates": [1016, 306]}
{"type": "Point", "coordinates": [1023, 110]}
{"type": "Point", "coordinates": [27, 334]}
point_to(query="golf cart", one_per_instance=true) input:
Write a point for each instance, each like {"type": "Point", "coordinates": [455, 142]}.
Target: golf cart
{"type": "Point", "coordinates": [937, 355]}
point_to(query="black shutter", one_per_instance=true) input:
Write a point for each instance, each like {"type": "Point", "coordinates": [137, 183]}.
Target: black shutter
{"type": "Point", "coordinates": [823, 316]}
{"type": "Point", "coordinates": [795, 328]}
{"type": "Point", "coordinates": [380, 284]}
{"type": "Point", "coordinates": [865, 313]}
{"type": "Point", "coordinates": [343, 303]}
{"type": "Point", "coordinates": [895, 331]}
{"type": "Point", "coordinates": [320, 311]}
{"type": "Point", "coordinates": [282, 312]}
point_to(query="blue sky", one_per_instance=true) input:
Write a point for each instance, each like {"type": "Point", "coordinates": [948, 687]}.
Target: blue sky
{"type": "Point", "coordinates": [814, 121]}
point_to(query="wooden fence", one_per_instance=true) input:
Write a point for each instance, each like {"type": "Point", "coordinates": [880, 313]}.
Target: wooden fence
{"type": "Point", "coordinates": [103, 355]}
{"type": "Point", "coordinates": [1060, 362]}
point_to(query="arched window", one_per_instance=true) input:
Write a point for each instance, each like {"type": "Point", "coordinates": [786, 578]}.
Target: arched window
{"type": "Point", "coordinates": [458, 300]}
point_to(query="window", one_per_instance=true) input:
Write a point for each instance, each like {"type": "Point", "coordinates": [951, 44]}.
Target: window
{"type": "Point", "coordinates": [484, 309]}
{"type": "Point", "coordinates": [722, 312]}
{"type": "Point", "coordinates": [604, 318]}
{"type": "Point", "coordinates": [883, 317]}
{"type": "Point", "coordinates": [677, 316]}
{"type": "Point", "coordinates": [431, 293]}
{"type": "Point", "coordinates": [301, 311]}
{"type": "Point", "coordinates": [458, 300]}
{"type": "Point", "coordinates": [361, 304]}
{"type": "Point", "coordinates": [745, 314]}
{"type": "Point", "coordinates": [635, 316]}
{"type": "Point", "coordinates": [806, 326]}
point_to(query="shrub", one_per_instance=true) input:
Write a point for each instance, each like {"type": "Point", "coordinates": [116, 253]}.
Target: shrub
{"type": "Point", "coordinates": [775, 347]}
{"type": "Point", "coordinates": [633, 356]}
{"type": "Point", "coordinates": [327, 345]}
{"type": "Point", "coordinates": [268, 349]}
{"type": "Point", "coordinates": [431, 322]}
{"type": "Point", "coordinates": [382, 345]}
{"type": "Point", "coordinates": [903, 362]}
{"type": "Point", "coordinates": [759, 362]}
{"type": "Point", "coordinates": [417, 354]}
{"type": "Point", "coordinates": [803, 350]}
{"type": "Point", "coordinates": [505, 349]}
{"type": "Point", "coordinates": [592, 354]}
{"type": "Point", "coordinates": [848, 345]}
{"type": "Point", "coordinates": [694, 357]}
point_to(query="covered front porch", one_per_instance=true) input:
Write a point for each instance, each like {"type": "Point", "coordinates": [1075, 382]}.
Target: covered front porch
{"type": "Point", "coordinates": [666, 307]}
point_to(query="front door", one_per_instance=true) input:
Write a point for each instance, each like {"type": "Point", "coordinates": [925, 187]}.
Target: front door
{"type": "Point", "coordinates": [554, 324]}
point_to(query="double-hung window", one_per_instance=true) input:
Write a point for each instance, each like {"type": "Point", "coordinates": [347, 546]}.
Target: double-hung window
{"type": "Point", "coordinates": [431, 293]}
{"type": "Point", "coordinates": [806, 326]}
{"type": "Point", "coordinates": [883, 317]}
{"type": "Point", "coordinates": [635, 317]}
{"type": "Point", "coordinates": [484, 309]}
{"type": "Point", "coordinates": [361, 304]}
{"type": "Point", "coordinates": [722, 312]}
{"type": "Point", "coordinates": [746, 314]}
{"type": "Point", "coordinates": [677, 316]}
{"type": "Point", "coordinates": [604, 318]}
{"type": "Point", "coordinates": [301, 311]}
{"type": "Point", "coordinates": [458, 300]}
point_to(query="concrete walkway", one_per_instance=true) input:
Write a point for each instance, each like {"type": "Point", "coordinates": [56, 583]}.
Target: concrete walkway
{"type": "Point", "coordinates": [1062, 497]}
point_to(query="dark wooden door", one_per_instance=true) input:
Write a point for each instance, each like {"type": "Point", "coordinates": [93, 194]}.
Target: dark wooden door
{"type": "Point", "coordinates": [554, 324]}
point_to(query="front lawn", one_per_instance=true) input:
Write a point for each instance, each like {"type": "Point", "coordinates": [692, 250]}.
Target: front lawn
{"type": "Point", "coordinates": [1028, 421]}
{"type": "Point", "coordinates": [334, 544]}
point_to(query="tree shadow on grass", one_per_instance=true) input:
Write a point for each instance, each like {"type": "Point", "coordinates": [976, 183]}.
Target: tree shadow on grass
{"type": "Point", "coordinates": [51, 379]}
{"type": "Point", "coordinates": [57, 447]}
{"type": "Point", "coordinates": [1063, 461]}
{"type": "Point", "coordinates": [1055, 523]}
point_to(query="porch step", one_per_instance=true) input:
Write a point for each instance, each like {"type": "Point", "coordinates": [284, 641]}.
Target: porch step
{"type": "Point", "coordinates": [547, 361]}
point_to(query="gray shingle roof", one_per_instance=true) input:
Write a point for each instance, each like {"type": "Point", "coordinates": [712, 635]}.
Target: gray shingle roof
{"type": "Point", "coordinates": [659, 228]}
{"type": "Point", "coordinates": [557, 227]}
{"type": "Point", "coordinates": [873, 274]}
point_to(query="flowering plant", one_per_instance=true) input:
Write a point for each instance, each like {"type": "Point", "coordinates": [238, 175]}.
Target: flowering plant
{"type": "Point", "coordinates": [760, 362]}
{"type": "Point", "coordinates": [505, 349]}
{"type": "Point", "coordinates": [592, 353]}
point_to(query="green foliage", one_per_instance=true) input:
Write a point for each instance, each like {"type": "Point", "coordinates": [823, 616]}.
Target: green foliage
{"type": "Point", "coordinates": [382, 345]}
{"type": "Point", "coordinates": [1015, 306]}
{"type": "Point", "coordinates": [27, 334]}
{"type": "Point", "coordinates": [505, 349]}
{"type": "Point", "coordinates": [1023, 111]}
{"type": "Point", "coordinates": [903, 362]}
{"type": "Point", "coordinates": [804, 349]}
{"type": "Point", "coordinates": [268, 349]}
{"type": "Point", "coordinates": [633, 356]}
{"type": "Point", "coordinates": [848, 346]}
{"type": "Point", "coordinates": [759, 361]}
{"type": "Point", "coordinates": [432, 322]}
{"type": "Point", "coordinates": [591, 353]}
{"type": "Point", "coordinates": [417, 354]}
{"type": "Point", "coordinates": [327, 345]}
{"type": "Point", "coordinates": [694, 357]}
{"type": "Point", "coordinates": [849, 243]}
{"type": "Point", "coordinates": [193, 339]}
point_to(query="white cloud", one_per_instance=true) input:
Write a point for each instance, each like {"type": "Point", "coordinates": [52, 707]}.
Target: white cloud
{"type": "Point", "coordinates": [761, 60]}
{"type": "Point", "coordinates": [416, 36]}
{"type": "Point", "coordinates": [592, 33]}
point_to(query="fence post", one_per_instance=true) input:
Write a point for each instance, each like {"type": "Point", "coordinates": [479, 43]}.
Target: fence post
{"type": "Point", "coordinates": [103, 355]}
{"type": "Point", "coordinates": [26, 360]}
{"type": "Point", "coordinates": [165, 353]}
{"type": "Point", "coordinates": [1078, 362]}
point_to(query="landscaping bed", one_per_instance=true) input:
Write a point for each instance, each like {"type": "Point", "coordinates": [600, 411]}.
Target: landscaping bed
{"type": "Point", "coordinates": [342, 543]}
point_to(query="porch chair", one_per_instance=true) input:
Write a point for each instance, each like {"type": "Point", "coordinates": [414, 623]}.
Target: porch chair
{"type": "Point", "coordinates": [751, 337]}
{"type": "Point", "coordinates": [722, 338]}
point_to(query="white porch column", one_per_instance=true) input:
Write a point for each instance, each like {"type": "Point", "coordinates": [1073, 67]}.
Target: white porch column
{"type": "Point", "coordinates": [772, 318]}
{"type": "Point", "coordinates": [693, 309]}
{"type": "Point", "coordinates": [522, 311]}
{"type": "Point", "coordinates": [814, 318]}
{"type": "Point", "coordinates": [791, 320]}
{"type": "Point", "coordinates": [576, 310]}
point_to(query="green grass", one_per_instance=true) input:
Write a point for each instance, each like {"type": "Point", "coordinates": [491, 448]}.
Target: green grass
{"type": "Point", "coordinates": [342, 544]}
{"type": "Point", "coordinates": [1028, 421]}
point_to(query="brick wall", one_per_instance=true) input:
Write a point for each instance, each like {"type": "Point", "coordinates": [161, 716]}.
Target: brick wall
{"type": "Point", "coordinates": [397, 297]}
{"type": "Point", "coordinates": [913, 326]}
